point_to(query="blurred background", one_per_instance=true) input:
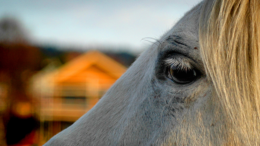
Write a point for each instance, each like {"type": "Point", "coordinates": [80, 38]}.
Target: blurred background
{"type": "Point", "coordinates": [58, 57]}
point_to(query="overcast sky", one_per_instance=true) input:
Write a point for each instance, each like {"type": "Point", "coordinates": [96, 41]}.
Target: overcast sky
{"type": "Point", "coordinates": [96, 22]}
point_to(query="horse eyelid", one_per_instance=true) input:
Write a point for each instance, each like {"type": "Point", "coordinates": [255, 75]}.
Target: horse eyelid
{"type": "Point", "coordinates": [182, 64]}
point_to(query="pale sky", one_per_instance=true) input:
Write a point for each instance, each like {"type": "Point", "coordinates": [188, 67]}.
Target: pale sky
{"type": "Point", "coordinates": [96, 22]}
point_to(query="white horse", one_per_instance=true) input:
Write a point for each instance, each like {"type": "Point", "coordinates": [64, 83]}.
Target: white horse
{"type": "Point", "coordinates": [199, 85]}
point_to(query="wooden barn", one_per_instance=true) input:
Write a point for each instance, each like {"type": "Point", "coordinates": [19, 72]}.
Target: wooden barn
{"type": "Point", "coordinates": [68, 92]}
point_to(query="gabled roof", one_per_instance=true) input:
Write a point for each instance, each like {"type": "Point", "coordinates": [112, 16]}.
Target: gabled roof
{"type": "Point", "coordinates": [85, 61]}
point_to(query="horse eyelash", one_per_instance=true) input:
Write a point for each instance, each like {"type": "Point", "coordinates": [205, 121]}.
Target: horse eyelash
{"type": "Point", "coordinates": [181, 64]}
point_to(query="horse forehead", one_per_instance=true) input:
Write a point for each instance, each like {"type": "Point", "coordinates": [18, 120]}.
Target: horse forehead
{"type": "Point", "coordinates": [188, 26]}
{"type": "Point", "coordinates": [186, 31]}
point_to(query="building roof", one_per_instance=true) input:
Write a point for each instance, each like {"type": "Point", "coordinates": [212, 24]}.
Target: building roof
{"type": "Point", "coordinates": [86, 61]}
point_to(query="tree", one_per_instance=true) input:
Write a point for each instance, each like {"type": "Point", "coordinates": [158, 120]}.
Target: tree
{"type": "Point", "coordinates": [18, 62]}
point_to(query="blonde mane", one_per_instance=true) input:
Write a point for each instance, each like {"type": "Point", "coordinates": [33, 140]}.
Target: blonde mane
{"type": "Point", "coordinates": [229, 40]}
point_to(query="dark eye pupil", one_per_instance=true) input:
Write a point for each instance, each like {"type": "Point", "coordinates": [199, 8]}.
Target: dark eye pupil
{"type": "Point", "coordinates": [182, 76]}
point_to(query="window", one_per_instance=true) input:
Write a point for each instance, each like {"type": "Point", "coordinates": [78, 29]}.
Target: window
{"type": "Point", "coordinates": [75, 101]}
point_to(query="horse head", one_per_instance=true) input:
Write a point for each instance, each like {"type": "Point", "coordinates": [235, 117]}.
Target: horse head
{"type": "Point", "coordinates": [171, 95]}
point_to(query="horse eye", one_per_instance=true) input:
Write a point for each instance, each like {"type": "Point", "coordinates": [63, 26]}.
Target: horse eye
{"type": "Point", "coordinates": [182, 76]}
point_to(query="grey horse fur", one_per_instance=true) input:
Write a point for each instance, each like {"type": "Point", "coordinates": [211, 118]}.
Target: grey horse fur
{"type": "Point", "coordinates": [141, 108]}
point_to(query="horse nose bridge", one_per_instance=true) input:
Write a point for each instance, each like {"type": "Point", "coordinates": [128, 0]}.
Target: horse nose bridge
{"type": "Point", "coordinates": [139, 75]}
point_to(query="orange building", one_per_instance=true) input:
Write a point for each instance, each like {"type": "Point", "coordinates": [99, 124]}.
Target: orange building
{"type": "Point", "coordinates": [70, 91]}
